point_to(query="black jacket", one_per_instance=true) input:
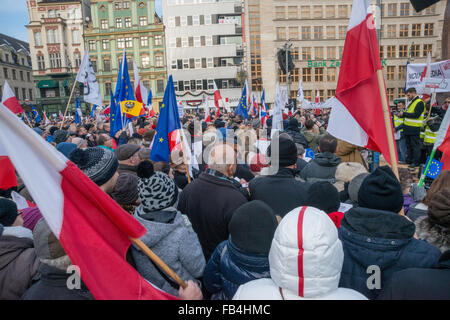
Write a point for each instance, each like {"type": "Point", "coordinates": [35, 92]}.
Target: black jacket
{"type": "Point", "coordinates": [297, 136]}
{"type": "Point", "coordinates": [53, 286]}
{"type": "Point", "coordinates": [407, 130]}
{"type": "Point", "coordinates": [282, 192]}
{"type": "Point", "coordinates": [420, 284]}
{"type": "Point", "coordinates": [209, 202]}
{"type": "Point", "coordinates": [323, 167]}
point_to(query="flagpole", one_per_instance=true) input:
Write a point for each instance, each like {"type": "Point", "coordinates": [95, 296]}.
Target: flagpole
{"type": "Point", "coordinates": [28, 120]}
{"type": "Point", "coordinates": [425, 172]}
{"type": "Point", "coordinates": [149, 253]}
{"type": "Point", "coordinates": [68, 102]}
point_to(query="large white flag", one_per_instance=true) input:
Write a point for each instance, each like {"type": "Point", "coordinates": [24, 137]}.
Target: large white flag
{"type": "Point", "coordinates": [86, 75]}
{"type": "Point", "coordinates": [280, 103]}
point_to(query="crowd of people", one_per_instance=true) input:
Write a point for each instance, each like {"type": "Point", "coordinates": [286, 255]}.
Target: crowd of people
{"type": "Point", "coordinates": [320, 227]}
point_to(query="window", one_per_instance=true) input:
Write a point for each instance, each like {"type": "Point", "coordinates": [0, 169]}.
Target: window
{"type": "Point", "coordinates": [415, 50]}
{"type": "Point", "coordinates": [121, 43]}
{"type": "Point", "coordinates": [331, 52]}
{"type": "Point", "coordinates": [55, 60]}
{"type": "Point", "coordinates": [390, 93]}
{"type": "Point", "coordinates": [159, 60]}
{"type": "Point", "coordinates": [280, 13]}
{"type": "Point", "coordinates": [107, 89]}
{"type": "Point", "coordinates": [92, 46]}
{"type": "Point", "coordinates": [183, 21]}
{"type": "Point", "coordinates": [404, 28]}
{"type": "Point", "coordinates": [208, 19]}
{"type": "Point", "coordinates": [292, 12]}
{"type": "Point", "coordinates": [14, 75]}
{"type": "Point", "coordinates": [306, 33]}
{"type": "Point", "coordinates": [331, 11]}
{"type": "Point", "coordinates": [160, 85]}
{"type": "Point", "coordinates": [390, 74]}
{"type": "Point", "coordinates": [196, 20]}
{"type": "Point", "coordinates": [210, 63]}
{"type": "Point", "coordinates": [331, 32]}
{"type": "Point", "coordinates": [37, 39]}
{"type": "Point", "coordinates": [94, 65]}
{"type": "Point", "coordinates": [28, 77]}
{"type": "Point", "coordinates": [342, 32]}
{"type": "Point", "coordinates": [281, 33]}
{"type": "Point", "coordinates": [142, 21]}
{"type": "Point", "coordinates": [177, 21]}
{"type": "Point", "coordinates": [381, 52]}
{"type": "Point", "coordinates": [427, 48]}
{"type": "Point", "coordinates": [341, 52]}
{"type": "Point", "coordinates": [295, 54]}
{"type": "Point", "coordinates": [126, 4]}
{"type": "Point", "coordinates": [104, 23]}
{"type": "Point", "coordinates": [402, 51]}
{"type": "Point", "coordinates": [16, 93]}
{"type": "Point", "coordinates": [306, 53]}
{"type": "Point", "coordinates": [118, 5]}
{"type": "Point", "coordinates": [105, 44]}
{"type": "Point", "coordinates": [52, 36]}
{"type": "Point", "coordinates": [178, 42]}
{"type": "Point", "coordinates": [431, 9]}
{"type": "Point", "coordinates": [196, 41]}
{"type": "Point", "coordinates": [185, 63]}
{"type": "Point", "coordinates": [158, 40]}
{"type": "Point", "coordinates": [306, 75]}
{"type": "Point", "coordinates": [189, 20]}
{"type": "Point", "coordinates": [404, 9]}
{"type": "Point", "coordinates": [192, 63]}
{"type": "Point", "coordinates": [318, 12]}
{"type": "Point", "coordinates": [331, 74]}
{"type": "Point", "coordinates": [318, 32]}
{"type": "Point", "coordinates": [391, 52]}
{"type": "Point", "coordinates": [401, 72]}
{"type": "Point", "coordinates": [342, 11]}
{"type": "Point", "coordinates": [392, 10]}
{"type": "Point", "coordinates": [30, 94]}
{"type": "Point", "coordinates": [293, 33]}
{"type": "Point", "coordinates": [144, 41]}
{"type": "Point", "coordinates": [401, 92]}
{"type": "Point", "coordinates": [173, 65]}
{"type": "Point", "coordinates": [318, 53]}
{"type": "Point", "coordinates": [203, 41]}
{"type": "Point", "coordinates": [106, 65]}
{"type": "Point", "coordinates": [204, 63]}
{"type": "Point", "coordinates": [127, 22]}
{"type": "Point", "coordinates": [145, 61]}
{"type": "Point", "coordinates": [391, 31]}
{"type": "Point", "coordinates": [118, 22]}
{"type": "Point", "coordinates": [128, 42]}
{"type": "Point", "coordinates": [184, 42]}
{"type": "Point", "coordinates": [331, 93]}
{"type": "Point", "coordinates": [191, 41]}
{"type": "Point", "coordinates": [428, 30]}
{"type": "Point", "coordinates": [77, 57]}
{"type": "Point", "coordinates": [198, 63]}
{"type": "Point", "coordinates": [282, 76]}
{"type": "Point", "coordinates": [415, 30]}
{"type": "Point", "coordinates": [41, 64]}
{"type": "Point", "coordinates": [305, 11]}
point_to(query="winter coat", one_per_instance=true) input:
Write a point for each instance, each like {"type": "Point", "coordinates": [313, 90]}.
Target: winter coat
{"type": "Point", "coordinates": [174, 243]}
{"type": "Point", "coordinates": [281, 191]}
{"type": "Point", "coordinates": [350, 153]}
{"type": "Point", "coordinates": [18, 262]}
{"type": "Point", "coordinates": [433, 233]}
{"type": "Point", "coordinates": [230, 267]}
{"type": "Point", "coordinates": [52, 285]}
{"type": "Point", "coordinates": [297, 136]}
{"type": "Point", "coordinates": [320, 262]}
{"type": "Point", "coordinates": [124, 168]}
{"type": "Point", "coordinates": [321, 168]}
{"type": "Point", "coordinates": [300, 165]}
{"type": "Point", "coordinates": [420, 283]}
{"type": "Point", "coordinates": [313, 139]}
{"type": "Point", "coordinates": [380, 238]}
{"type": "Point", "coordinates": [209, 202]}
{"type": "Point", "coordinates": [416, 211]}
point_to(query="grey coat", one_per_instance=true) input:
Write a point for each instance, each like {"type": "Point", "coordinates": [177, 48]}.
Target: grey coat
{"type": "Point", "coordinates": [176, 245]}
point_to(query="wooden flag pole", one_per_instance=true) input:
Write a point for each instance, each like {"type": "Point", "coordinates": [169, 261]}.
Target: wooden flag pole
{"type": "Point", "coordinates": [28, 120]}
{"type": "Point", "coordinates": [149, 253]}
{"type": "Point", "coordinates": [68, 102]}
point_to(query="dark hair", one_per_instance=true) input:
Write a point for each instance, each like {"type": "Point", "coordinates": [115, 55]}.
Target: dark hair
{"type": "Point", "coordinates": [53, 129]}
{"type": "Point", "coordinates": [411, 90]}
{"type": "Point", "coordinates": [102, 138]}
{"type": "Point", "coordinates": [442, 181]}
{"type": "Point", "coordinates": [309, 124]}
{"type": "Point", "coordinates": [162, 166]}
{"type": "Point", "coordinates": [405, 178]}
{"type": "Point", "coordinates": [328, 143]}
{"type": "Point", "coordinates": [148, 135]}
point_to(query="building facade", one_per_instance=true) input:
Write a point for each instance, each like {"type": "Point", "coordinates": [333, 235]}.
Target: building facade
{"type": "Point", "coordinates": [55, 32]}
{"type": "Point", "coordinates": [317, 32]}
{"type": "Point", "coordinates": [204, 41]}
{"type": "Point", "coordinates": [15, 67]}
{"type": "Point", "coordinates": [130, 26]}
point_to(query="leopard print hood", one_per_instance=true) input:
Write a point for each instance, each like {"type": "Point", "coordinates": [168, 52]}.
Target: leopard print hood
{"type": "Point", "coordinates": [433, 233]}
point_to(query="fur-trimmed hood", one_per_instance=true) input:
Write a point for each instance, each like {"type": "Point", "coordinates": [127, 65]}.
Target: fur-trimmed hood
{"type": "Point", "coordinates": [434, 234]}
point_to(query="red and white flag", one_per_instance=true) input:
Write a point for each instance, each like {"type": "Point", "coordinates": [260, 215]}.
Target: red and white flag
{"type": "Point", "coordinates": [10, 101]}
{"type": "Point", "coordinates": [442, 141]}
{"type": "Point", "coordinates": [45, 118]}
{"type": "Point", "coordinates": [217, 99]}
{"type": "Point", "coordinates": [140, 91]}
{"type": "Point", "coordinates": [107, 110]}
{"type": "Point", "coordinates": [60, 115]}
{"type": "Point", "coordinates": [357, 112]}
{"type": "Point", "coordinates": [207, 112]}
{"type": "Point", "coordinates": [93, 229]}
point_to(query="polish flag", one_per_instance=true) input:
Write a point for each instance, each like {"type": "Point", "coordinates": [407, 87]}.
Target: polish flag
{"type": "Point", "coordinates": [93, 229]}
{"type": "Point", "coordinates": [217, 99]}
{"type": "Point", "coordinates": [140, 91]}
{"type": "Point", "coordinates": [7, 174]}
{"type": "Point", "coordinates": [45, 118]}
{"type": "Point", "coordinates": [107, 110]}
{"type": "Point", "coordinates": [442, 141]}
{"type": "Point", "coordinates": [357, 112]}
{"type": "Point", "coordinates": [207, 112]}
{"type": "Point", "coordinates": [10, 101]}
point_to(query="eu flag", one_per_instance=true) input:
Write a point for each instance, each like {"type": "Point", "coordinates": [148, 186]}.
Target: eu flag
{"type": "Point", "coordinates": [242, 108]}
{"type": "Point", "coordinates": [93, 110]}
{"type": "Point", "coordinates": [36, 116]}
{"type": "Point", "coordinates": [434, 169]}
{"type": "Point", "coordinates": [115, 119]}
{"type": "Point", "coordinates": [168, 122]}
{"type": "Point", "coordinates": [149, 98]}
{"type": "Point", "coordinates": [124, 89]}
{"type": "Point", "coordinates": [309, 153]}
{"type": "Point", "coordinates": [77, 110]}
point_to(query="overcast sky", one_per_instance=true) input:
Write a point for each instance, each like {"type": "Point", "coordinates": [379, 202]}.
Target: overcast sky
{"type": "Point", "coordinates": [14, 17]}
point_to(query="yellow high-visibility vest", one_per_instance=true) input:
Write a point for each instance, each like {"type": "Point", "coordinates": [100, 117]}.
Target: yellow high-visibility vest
{"type": "Point", "coordinates": [430, 136]}
{"type": "Point", "coordinates": [398, 122]}
{"type": "Point", "coordinates": [414, 122]}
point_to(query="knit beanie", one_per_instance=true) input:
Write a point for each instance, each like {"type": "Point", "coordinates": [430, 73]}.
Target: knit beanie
{"type": "Point", "coordinates": [439, 208]}
{"type": "Point", "coordinates": [381, 190]}
{"type": "Point", "coordinates": [46, 245]}
{"type": "Point", "coordinates": [97, 163]}
{"type": "Point", "coordinates": [354, 185]}
{"type": "Point", "coordinates": [156, 189]}
{"type": "Point", "coordinates": [126, 190]}
{"type": "Point", "coordinates": [252, 227]}
{"type": "Point", "coordinates": [31, 216]}
{"type": "Point", "coordinates": [66, 148]}
{"type": "Point", "coordinates": [324, 196]}
{"type": "Point", "coordinates": [287, 152]}
{"type": "Point", "coordinates": [60, 136]}
{"type": "Point", "coordinates": [8, 212]}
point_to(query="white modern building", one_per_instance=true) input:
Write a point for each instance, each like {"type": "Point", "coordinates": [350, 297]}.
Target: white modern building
{"type": "Point", "coordinates": [204, 44]}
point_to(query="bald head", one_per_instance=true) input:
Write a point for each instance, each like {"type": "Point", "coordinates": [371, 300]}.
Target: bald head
{"type": "Point", "coordinates": [223, 159]}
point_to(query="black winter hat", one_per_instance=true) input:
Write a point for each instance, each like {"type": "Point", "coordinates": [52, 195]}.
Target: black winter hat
{"type": "Point", "coordinates": [293, 123]}
{"type": "Point", "coordinates": [287, 152]}
{"type": "Point", "coordinates": [252, 227]}
{"type": "Point", "coordinates": [60, 136]}
{"type": "Point", "coordinates": [324, 196]}
{"type": "Point", "coordinates": [381, 190]}
{"type": "Point", "coordinates": [8, 212]}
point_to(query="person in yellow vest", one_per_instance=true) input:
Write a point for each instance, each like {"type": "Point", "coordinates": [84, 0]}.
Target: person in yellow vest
{"type": "Point", "coordinates": [399, 136]}
{"type": "Point", "coordinates": [432, 126]}
{"type": "Point", "coordinates": [413, 122]}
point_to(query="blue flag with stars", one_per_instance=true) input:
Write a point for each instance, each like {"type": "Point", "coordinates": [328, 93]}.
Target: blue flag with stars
{"type": "Point", "coordinates": [36, 116]}
{"type": "Point", "coordinates": [93, 110]}
{"type": "Point", "coordinates": [242, 108]}
{"type": "Point", "coordinates": [434, 169]}
{"type": "Point", "coordinates": [115, 120]}
{"type": "Point", "coordinates": [168, 122]}
{"type": "Point", "coordinates": [124, 89]}
{"type": "Point", "coordinates": [309, 153]}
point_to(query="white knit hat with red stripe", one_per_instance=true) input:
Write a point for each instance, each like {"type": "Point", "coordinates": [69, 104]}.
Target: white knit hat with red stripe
{"type": "Point", "coordinates": [306, 255]}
